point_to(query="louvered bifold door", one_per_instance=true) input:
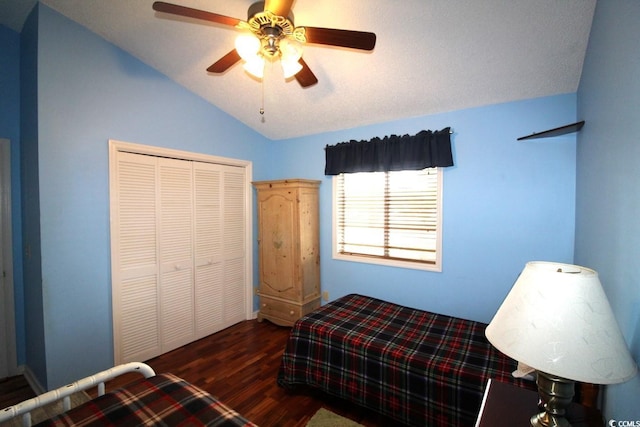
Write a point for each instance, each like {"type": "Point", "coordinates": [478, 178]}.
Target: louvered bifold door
{"type": "Point", "coordinates": [135, 273]}
{"type": "Point", "coordinates": [234, 221]}
{"type": "Point", "coordinates": [209, 263]}
{"type": "Point", "coordinates": [220, 276]}
{"type": "Point", "coordinates": [176, 253]}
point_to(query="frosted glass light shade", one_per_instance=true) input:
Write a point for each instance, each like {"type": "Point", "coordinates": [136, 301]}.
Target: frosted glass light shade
{"type": "Point", "coordinates": [247, 46]}
{"type": "Point", "coordinates": [290, 53]}
{"type": "Point", "coordinates": [290, 50]}
{"type": "Point", "coordinates": [290, 68]}
{"type": "Point", "coordinates": [255, 67]}
{"type": "Point", "coordinates": [557, 319]}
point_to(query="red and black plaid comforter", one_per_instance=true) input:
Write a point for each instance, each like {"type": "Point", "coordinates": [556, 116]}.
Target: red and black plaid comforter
{"type": "Point", "coordinates": [162, 400]}
{"type": "Point", "coordinates": [419, 368]}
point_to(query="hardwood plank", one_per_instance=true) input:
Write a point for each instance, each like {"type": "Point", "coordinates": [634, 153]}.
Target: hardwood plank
{"type": "Point", "coordinates": [239, 365]}
{"type": "Point", "coordinates": [14, 390]}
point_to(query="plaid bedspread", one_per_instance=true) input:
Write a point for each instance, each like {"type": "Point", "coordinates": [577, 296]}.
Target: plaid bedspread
{"type": "Point", "coordinates": [419, 368]}
{"type": "Point", "coordinates": [162, 400]}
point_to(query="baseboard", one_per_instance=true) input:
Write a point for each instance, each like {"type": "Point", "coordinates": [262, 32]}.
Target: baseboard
{"type": "Point", "coordinates": [33, 381]}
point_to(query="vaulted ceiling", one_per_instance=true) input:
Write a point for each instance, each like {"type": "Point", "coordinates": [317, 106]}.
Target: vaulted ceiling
{"type": "Point", "coordinates": [431, 56]}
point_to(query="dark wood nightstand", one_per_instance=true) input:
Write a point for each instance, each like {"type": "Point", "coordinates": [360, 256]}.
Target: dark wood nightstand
{"type": "Point", "coordinates": [506, 404]}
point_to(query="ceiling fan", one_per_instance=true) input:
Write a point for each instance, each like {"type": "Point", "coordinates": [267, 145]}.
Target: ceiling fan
{"type": "Point", "coordinates": [270, 34]}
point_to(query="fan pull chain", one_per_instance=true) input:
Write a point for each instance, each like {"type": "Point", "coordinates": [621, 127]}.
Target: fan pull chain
{"type": "Point", "coordinates": [262, 85]}
{"type": "Point", "coordinates": [262, 103]}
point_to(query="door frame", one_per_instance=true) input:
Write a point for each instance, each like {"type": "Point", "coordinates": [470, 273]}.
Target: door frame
{"type": "Point", "coordinates": [8, 356]}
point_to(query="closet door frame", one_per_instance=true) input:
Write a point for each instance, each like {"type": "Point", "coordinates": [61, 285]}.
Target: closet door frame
{"type": "Point", "coordinates": [120, 146]}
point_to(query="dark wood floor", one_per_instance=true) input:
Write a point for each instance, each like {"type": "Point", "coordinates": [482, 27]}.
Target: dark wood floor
{"type": "Point", "coordinates": [239, 365]}
{"type": "Point", "coordinates": [14, 390]}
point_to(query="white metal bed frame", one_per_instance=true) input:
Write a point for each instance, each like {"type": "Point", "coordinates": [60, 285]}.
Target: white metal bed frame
{"type": "Point", "coordinates": [63, 393]}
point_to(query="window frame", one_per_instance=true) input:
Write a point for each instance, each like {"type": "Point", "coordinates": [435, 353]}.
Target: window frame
{"type": "Point", "coordinates": [416, 265]}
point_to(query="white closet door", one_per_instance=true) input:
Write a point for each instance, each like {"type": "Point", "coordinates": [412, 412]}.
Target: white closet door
{"type": "Point", "coordinates": [234, 221]}
{"type": "Point", "coordinates": [209, 263]}
{"type": "Point", "coordinates": [219, 248]}
{"type": "Point", "coordinates": [135, 292]}
{"type": "Point", "coordinates": [176, 253]}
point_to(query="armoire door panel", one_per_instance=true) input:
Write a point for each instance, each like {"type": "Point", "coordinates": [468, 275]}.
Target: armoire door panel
{"type": "Point", "coordinates": [309, 243]}
{"type": "Point", "coordinates": [277, 246]}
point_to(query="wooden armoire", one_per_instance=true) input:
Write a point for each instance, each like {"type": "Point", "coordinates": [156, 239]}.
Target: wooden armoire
{"type": "Point", "coordinates": [289, 249]}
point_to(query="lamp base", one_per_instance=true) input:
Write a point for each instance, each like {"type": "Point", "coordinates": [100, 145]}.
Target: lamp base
{"type": "Point", "coordinates": [556, 393]}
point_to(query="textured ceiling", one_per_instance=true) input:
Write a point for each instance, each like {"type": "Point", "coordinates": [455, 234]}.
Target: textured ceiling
{"type": "Point", "coordinates": [431, 56]}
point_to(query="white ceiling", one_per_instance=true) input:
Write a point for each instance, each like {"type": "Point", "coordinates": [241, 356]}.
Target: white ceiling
{"type": "Point", "coordinates": [431, 56]}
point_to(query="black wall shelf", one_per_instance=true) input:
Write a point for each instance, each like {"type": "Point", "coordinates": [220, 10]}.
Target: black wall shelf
{"type": "Point", "coordinates": [573, 127]}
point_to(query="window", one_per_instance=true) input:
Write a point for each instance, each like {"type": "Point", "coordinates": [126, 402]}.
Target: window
{"type": "Point", "coordinates": [391, 218]}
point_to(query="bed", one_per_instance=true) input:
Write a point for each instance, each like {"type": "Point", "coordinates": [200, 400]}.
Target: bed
{"type": "Point", "coordinates": [153, 400]}
{"type": "Point", "coordinates": [416, 367]}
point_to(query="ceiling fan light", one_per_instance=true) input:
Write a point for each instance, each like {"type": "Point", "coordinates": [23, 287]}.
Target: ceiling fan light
{"type": "Point", "coordinates": [247, 46]}
{"type": "Point", "coordinates": [290, 50]}
{"type": "Point", "coordinates": [255, 67]}
{"type": "Point", "coordinates": [290, 68]}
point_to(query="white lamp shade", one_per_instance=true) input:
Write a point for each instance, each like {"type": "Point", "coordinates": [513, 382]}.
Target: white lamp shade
{"type": "Point", "coordinates": [557, 319]}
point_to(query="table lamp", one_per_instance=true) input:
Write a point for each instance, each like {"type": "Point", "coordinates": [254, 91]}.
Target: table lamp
{"type": "Point", "coordinates": [557, 320]}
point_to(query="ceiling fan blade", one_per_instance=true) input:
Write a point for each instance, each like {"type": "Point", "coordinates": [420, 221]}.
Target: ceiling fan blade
{"type": "Point", "coordinates": [305, 76]}
{"type": "Point", "coordinates": [345, 38]}
{"type": "Point", "coordinates": [224, 63]}
{"type": "Point", "coordinates": [278, 7]}
{"type": "Point", "coordinates": [175, 9]}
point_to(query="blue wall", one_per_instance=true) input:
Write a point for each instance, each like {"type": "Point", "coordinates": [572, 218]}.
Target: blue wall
{"type": "Point", "coordinates": [89, 91]}
{"type": "Point", "coordinates": [506, 202]}
{"type": "Point", "coordinates": [35, 351]}
{"type": "Point", "coordinates": [608, 174]}
{"type": "Point", "coordinates": [9, 83]}
{"type": "Point", "coordinates": [10, 129]}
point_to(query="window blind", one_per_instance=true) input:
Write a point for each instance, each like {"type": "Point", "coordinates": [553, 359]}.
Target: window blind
{"type": "Point", "coordinates": [391, 215]}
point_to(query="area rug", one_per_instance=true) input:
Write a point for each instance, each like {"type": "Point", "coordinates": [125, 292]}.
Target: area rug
{"type": "Point", "coordinates": [326, 418]}
{"type": "Point", "coordinates": [48, 411]}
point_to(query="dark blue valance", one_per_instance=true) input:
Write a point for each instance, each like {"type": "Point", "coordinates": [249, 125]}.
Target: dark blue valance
{"type": "Point", "coordinates": [426, 149]}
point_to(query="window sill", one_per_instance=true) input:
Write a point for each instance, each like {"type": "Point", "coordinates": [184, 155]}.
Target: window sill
{"type": "Point", "coordinates": [389, 262]}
